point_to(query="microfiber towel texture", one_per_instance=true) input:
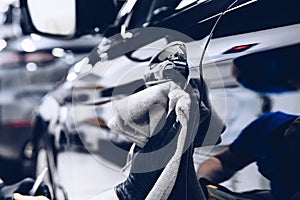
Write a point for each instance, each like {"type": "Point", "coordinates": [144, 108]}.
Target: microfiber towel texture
{"type": "Point", "coordinates": [137, 115]}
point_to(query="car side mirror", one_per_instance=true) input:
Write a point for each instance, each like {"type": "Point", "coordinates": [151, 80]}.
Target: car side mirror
{"type": "Point", "coordinates": [53, 17]}
{"type": "Point", "coordinates": [67, 19]}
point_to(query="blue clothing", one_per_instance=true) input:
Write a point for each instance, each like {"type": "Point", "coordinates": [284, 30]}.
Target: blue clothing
{"type": "Point", "coordinates": [262, 142]}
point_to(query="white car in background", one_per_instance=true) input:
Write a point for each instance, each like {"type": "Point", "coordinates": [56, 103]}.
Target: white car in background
{"type": "Point", "coordinates": [121, 61]}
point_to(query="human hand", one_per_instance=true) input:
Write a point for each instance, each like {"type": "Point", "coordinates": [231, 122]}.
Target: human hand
{"type": "Point", "coordinates": [139, 183]}
{"type": "Point", "coordinates": [23, 187]}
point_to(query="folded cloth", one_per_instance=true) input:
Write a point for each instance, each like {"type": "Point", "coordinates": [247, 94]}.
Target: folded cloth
{"type": "Point", "coordinates": [137, 116]}
{"type": "Point", "coordinates": [164, 185]}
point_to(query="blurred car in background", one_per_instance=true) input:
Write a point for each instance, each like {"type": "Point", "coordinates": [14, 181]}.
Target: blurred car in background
{"type": "Point", "coordinates": [117, 65]}
{"type": "Point", "coordinates": [26, 75]}
{"type": "Point", "coordinates": [231, 38]}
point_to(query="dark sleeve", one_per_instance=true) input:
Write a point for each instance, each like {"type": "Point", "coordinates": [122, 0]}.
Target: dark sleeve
{"type": "Point", "coordinates": [243, 145]}
{"type": "Point", "coordinates": [257, 132]}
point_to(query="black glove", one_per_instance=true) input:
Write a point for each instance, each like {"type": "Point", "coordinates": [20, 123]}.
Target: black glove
{"type": "Point", "coordinates": [23, 187]}
{"type": "Point", "coordinates": [138, 185]}
{"type": "Point", "coordinates": [203, 183]}
{"type": "Point", "coordinates": [145, 171]}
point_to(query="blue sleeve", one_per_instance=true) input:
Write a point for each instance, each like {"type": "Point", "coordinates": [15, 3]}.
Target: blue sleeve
{"type": "Point", "coordinates": [256, 133]}
{"type": "Point", "coordinates": [243, 145]}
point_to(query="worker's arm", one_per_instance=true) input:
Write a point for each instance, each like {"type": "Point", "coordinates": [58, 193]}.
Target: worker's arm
{"type": "Point", "coordinates": [222, 166]}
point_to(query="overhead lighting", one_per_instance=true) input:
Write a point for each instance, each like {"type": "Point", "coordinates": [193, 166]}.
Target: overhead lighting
{"type": "Point", "coordinates": [3, 44]}
{"type": "Point", "coordinates": [71, 76]}
{"type": "Point", "coordinates": [70, 59]}
{"type": "Point", "coordinates": [97, 29]}
{"type": "Point", "coordinates": [31, 67]}
{"type": "Point", "coordinates": [27, 45]}
{"type": "Point", "coordinates": [78, 65]}
{"type": "Point", "coordinates": [35, 37]}
{"type": "Point", "coordinates": [82, 66]}
{"type": "Point", "coordinates": [58, 52]}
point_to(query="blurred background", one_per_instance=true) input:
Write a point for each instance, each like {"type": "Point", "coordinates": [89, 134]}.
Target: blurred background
{"type": "Point", "coordinates": [35, 69]}
{"type": "Point", "coordinates": [30, 67]}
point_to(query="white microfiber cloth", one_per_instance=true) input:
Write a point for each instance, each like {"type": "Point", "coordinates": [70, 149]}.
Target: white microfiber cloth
{"type": "Point", "coordinates": [164, 185]}
{"type": "Point", "coordinates": [136, 116]}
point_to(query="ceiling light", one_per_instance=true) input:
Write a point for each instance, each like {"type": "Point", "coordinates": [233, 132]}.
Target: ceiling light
{"type": "Point", "coordinates": [3, 44]}
{"type": "Point", "coordinates": [71, 76]}
{"type": "Point", "coordinates": [27, 45]}
{"type": "Point", "coordinates": [35, 37]}
{"type": "Point", "coordinates": [31, 67]}
{"type": "Point", "coordinates": [58, 52]}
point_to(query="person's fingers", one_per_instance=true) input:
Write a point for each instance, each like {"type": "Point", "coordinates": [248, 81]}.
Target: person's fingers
{"type": "Point", "coordinates": [18, 196]}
